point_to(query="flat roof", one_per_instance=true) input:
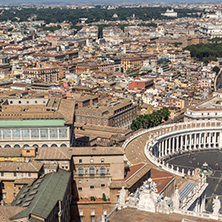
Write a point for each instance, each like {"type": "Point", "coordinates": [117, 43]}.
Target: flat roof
{"type": "Point", "coordinates": [30, 123]}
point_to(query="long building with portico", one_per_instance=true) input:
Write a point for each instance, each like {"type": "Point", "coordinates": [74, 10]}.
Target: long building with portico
{"type": "Point", "coordinates": [36, 122]}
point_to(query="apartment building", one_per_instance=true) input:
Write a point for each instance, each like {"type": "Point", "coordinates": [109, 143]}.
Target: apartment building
{"type": "Point", "coordinates": [140, 83]}
{"type": "Point", "coordinates": [113, 113]}
{"type": "Point", "coordinates": [131, 62]}
{"type": "Point", "coordinates": [14, 175]}
{"type": "Point", "coordinates": [47, 74]}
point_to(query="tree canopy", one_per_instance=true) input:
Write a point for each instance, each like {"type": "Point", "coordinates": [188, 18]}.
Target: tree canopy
{"type": "Point", "coordinates": [150, 120]}
{"type": "Point", "coordinates": [94, 14]}
{"type": "Point", "coordinates": [216, 69]}
{"type": "Point", "coordinates": [206, 52]}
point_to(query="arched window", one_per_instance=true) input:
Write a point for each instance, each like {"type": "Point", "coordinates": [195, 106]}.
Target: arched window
{"type": "Point", "coordinates": [102, 171]}
{"type": "Point", "coordinates": [35, 145]}
{"type": "Point", "coordinates": [16, 146]}
{"type": "Point", "coordinates": [26, 145]}
{"type": "Point", "coordinates": [54, 145]}
{"type": "Point", "coordinates": [91, 171]}
{"type": "Point", "coordinates": [44, 145]}
{"type": "Point", "coordinates": [63, 145]}
{"type": "Point", "coordinates": [80, 171]}
{"type": "Point", "coordinates": [7, 146]}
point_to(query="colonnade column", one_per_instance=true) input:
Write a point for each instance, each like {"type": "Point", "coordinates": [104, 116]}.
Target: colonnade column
{"type": "Point", "coordinates": [165, 147]}
{"type": "Point", "coordinates": [195, 140]}
{"type": "Point", "coordinates": [219, 140]}
{"type": "Point", "coordinates": [204, 140]}
{"type": "Point", "coordinates": [214, 139]}
{"type": "Point", "coordinates": [185, 141]}
{"type": "Point", "coordinates": [181, 141]}
{"type": "Point", "coordinates": [173, 145]}
{"type": "Point", "coordinates": [177, 144]}
{"type": "Point", "coordinates": [190, 140]}
{"type": "Point", "coordinates": [169, 151]}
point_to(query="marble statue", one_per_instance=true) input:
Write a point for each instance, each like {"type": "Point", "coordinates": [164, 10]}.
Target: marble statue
{"type": "Point", "coordinates": [162, 207]}
{"type": "Point", "coordinates": [103, 218]}
{"type": "Point", "coordinates": [122, 198]}
{"type": "Point", "coordinates": [176, 200]}
{"type": "Point", "coordinates": [148, 196]}
{"type": "Point", "coordinates": [2, 203]}
{"type": "Point", "coordinates": [132, 200]}
{"type": "Point", "coordinates": [216, 205]}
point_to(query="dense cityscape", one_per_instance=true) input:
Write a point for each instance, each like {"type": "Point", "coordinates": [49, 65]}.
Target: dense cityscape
{"type": "Point", "coordinates": [111, 113]}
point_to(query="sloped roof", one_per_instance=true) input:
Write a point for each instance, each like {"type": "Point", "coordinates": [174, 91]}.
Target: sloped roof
{"type": "Point", "coordinates": [41, 197]}
{"type": "Point", "coordinates": [32, 166]}
{"type": "Point", "coordinates": [8, 211]}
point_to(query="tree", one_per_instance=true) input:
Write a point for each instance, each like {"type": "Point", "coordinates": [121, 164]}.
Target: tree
{"type": "Point", "coordinates": [150, 120]}
{"type": "Point", "coordinates": [216, 69]}
{"type": "Point", "coordinates": [104, 197]}
{"type": "Point", "coordinates": [165, 113]}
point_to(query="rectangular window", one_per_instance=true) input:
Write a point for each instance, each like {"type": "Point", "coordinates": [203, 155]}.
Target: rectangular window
{"type": "Point", "coordinates": [34, 133]}
{"type": "Point", "coordinates": [93, 219]}
{"type": "Point", "coordinates": [62, 133]}
{"type": "Point", "coordinates": [16, 133]}
{"type": "Point", "coordinates": [79, 188]}
{"type": "Point", "coordinates": [2, 174]}
{"type": "Point", "coordinates": [80, 160]}
{"type": "Point", "coordinates": [15, 174]}
{"type": "Point", "coordinates": [6, 133]}
{"type": "Point", "coordinates": [4, 195]}
{"type": "Point", "coordinates": [53, 133]}
{"type": "Point", "coordinates": [102, 185]}
{"type": "Point", "coordinates": [91, 187]}
{"type": "Point", "coordinates": [3, 185]}
{"type": "Point", "coordinates": [44, 133]}
{"type": "Point", "coordinates": [29, 174]}
{"type": "Point", "coordinates": [25, 133]}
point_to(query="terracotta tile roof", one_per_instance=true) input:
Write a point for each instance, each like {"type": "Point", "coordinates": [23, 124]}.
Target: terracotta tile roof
{"type": "Point", "coordinates": [132, 215]}
{"type": "Point", "coordinates": [52, 153]}
{"type": "Point", "coordinates": [132, 170]}
{"type": "Point", "coordinates": [96, 151]}
{"type": "Point", "coordinates": [20, 166]}
{"type": "Point", "coordinates": [160, 178]}
{"type": "Point", "coordinates": [137, 173]}
{"type": "Point", "coordinates": [10, 152]}
{"type": "Point", "coordinates": [67, 108]}
{"type": "Point", "coordinates": [90, 201]}
{"type": "Point", "coordinates": [24, 181]}
{"type": "Point", "coordinates": [8, 211]}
